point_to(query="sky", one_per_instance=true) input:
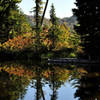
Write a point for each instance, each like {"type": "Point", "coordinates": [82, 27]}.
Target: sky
{"type": "Point", "coordinates": [63, 8]}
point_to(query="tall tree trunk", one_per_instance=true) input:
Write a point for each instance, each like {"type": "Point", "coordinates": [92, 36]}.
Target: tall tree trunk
{"type": "Point", "coordinates": [44, 12]}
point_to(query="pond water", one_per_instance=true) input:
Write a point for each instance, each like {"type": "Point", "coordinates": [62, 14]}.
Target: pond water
{"type": "Point", "coordinates": [28, 80]}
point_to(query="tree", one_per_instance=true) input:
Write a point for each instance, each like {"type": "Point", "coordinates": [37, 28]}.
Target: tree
{"type": "Point", "coordinates": [53, 18]}
{"type": "Point", "coordinates": [53, 35]}
{"type": "Point", "coordinates": [44, 11]}
{"type": "Point", "coordinates": [54, 31]}
{"type": "Point", "coordinates": [19, 22]}
{"type": "Point", "coordinates": [88, 16]}
{"type": "Point", "coordinates": [6, 6]}
{"type": "Point", "coordinates": [37, 15]}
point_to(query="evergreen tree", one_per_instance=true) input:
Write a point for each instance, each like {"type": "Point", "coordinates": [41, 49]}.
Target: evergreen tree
{"type": "Point", "coordinates": [6, 6]}
{"type": "Point", "coordinates": [37, 15]}
{"type": "Point", "coordinates": [53, 18]}
{"type": "Point", "coordinates": [19, 22]}
{"type": "Point", "coordinates": [88, 16]}
{"type": "Point", "coordinates": [54, 31]}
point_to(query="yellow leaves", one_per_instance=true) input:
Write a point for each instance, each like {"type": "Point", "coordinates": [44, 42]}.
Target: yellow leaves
{"type": "Point", "coordinates": [47, 42]}
{"type": "Point", "coordinates": [28, 35]}
{"type": "Point", "coordinates": [46, 73]}
{"type": "Point", "coordinates": [80, 49]}
{"type": "Point", "coordinates": [59, 73]}
{"type": "Point", "coordinates": [0, 45]}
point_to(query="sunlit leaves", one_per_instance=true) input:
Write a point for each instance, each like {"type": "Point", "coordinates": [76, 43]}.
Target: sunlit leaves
{"type": "Point", "coordinates": [19, 43]}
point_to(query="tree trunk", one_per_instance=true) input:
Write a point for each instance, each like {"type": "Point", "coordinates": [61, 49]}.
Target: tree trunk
{"type": "Point", "coordinates": [44, 12]}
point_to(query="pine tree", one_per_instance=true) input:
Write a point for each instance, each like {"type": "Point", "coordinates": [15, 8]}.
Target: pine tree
{"type": "Point", "coordinates": [88, 16]}
{"type": "Point", "coordinates": [53, 18]}
{"type": "Point", "coordinates": [6, 7]}
{"type": "Point", "coordinates": [54, 31]}
{"type": "Point", "coordinates": [37, 15]}
{"type": "Point", "coordinates": [19, 22]}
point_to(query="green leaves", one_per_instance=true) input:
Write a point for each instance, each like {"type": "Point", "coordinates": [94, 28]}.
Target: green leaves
{"type": "Point", "coordinates": [12, 21]}
{"type": "Point", "coordinates": [53, 18]}
{"type": "Point", "coordinates": [7, 18]}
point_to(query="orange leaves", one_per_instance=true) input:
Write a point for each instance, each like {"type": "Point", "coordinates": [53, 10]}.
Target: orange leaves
{"type": "Point", "coordinates": [47, 73]}
{"type": "Point", "coordinates": [18, 43]}
{"type": "Point", "coordinates": [59, 73]}
{"type": "Point", "coordinates": [19, 71]}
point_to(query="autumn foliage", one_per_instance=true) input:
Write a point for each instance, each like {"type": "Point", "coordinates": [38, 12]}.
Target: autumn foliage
{"type": "Point", "coordinates": [19, 43]}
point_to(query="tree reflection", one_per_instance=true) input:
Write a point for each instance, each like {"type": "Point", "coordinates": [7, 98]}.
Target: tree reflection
{"type": "Point", "coordinates": [52, 75]}
{"type": "Point", "coordinates": [11, 86]}
{"type": "Point", "coordinates": [53, 84]}
{"type": "Point", "coordinates": [38, 84]}
{"type": "Point", "coordinates": [88, 86]}
{"type": "Point", "coordinates": [15, 77]}
{"type": "Point", "coordinates": [58, 76]}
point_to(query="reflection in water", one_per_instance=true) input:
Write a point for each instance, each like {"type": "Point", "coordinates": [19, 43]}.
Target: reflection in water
{"type": "Point", "coordinates": [44, 82]}
{"type": "Point", "coordinates": [88, 86]}
{"type": "Point", "coordinates": [12, 86]}
{"type": "Point", "coordinates": [54, 86]}
{"type": "Point", "coordinates": [38, 84]}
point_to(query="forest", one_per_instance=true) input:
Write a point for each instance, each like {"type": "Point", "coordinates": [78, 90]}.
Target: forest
{"type": "Point", "coordinates": [21, 40]}
{"type": "Point", "coordinates": [50, 58]}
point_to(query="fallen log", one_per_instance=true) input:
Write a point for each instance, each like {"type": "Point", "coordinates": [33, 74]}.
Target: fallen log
{"type": "Point", "coordinates": [72, 60]}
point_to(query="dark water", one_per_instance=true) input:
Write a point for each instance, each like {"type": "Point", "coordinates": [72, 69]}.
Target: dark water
{"type": "Point", "coordinates": [39, 81]}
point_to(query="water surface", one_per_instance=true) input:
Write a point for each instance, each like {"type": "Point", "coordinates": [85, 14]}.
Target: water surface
{"type": "Point", "coordinates": [40, 81]}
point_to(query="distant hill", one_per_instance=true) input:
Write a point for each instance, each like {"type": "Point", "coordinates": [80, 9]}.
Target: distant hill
{"type": "Point", "coordinates": [31, 20]}
{"type": "Point", "coordinates": [71, 21]}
